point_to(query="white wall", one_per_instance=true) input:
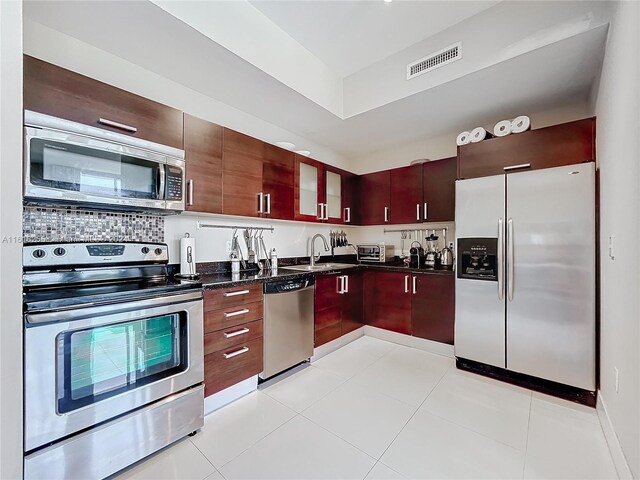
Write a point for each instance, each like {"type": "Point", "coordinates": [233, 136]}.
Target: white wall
{"type": "Point", "coordinates": [290, 239]}
{"type": "Point", "coordinates": [10, 250]}
{"type": "Point", "coordinates": [444, 146]}
{"type": "Point", "coordinates": [618, 150]}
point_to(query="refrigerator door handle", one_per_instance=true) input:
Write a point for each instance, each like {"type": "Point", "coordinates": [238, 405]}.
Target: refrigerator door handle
{"type": "Point", "coordinates": [510, 260]}
{"type": "Point", "coordinates": [500, 259]}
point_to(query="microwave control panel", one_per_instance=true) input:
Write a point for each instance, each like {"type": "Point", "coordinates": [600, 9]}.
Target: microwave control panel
{"type": "Point", "coordinates": [174, 181]}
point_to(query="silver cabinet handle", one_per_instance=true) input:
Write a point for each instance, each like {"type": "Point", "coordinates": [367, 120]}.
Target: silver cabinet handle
{"type": "Point", "coordinates": [236, 293]}
{"type": "Point", "coordinates": [510, 260]}
{"type": "Point", "coordinates": [347, 215]}
{"type": "Point", "coordinates": [515, 167]}
{"type": "Point", "coordinates": [260, 202]}
{"type": "Point", "coordinates": [321, 215]}
{"type": "Point", "coordinates": [190, 192]}
{"type": "Point", "coordinates": [417, 211]}
{"type": "Point", "coordinates": [500, 265]}
{"type": "Point", "coordinates": [237, 352]}
{"type": "Point", "coordinates": [267, 197]}
{"type": "Point", "coordinates": [406, 284]}
{"type": "Point", "coordinates": [121, 126]}
{"type": "Point", "coordinates": [242, 331]}
{"type": "Point", "coordinates": [235, 314]}
{"type": "Point", "coordinates": [424, 216]}
{"type": "Point", "coordinates": [326, 211]}
{"type": "Point", "coordinates": [346, 284]}
{"type": "Point", "coordinates": [340, 285]}
{"type": "Point", "coordinates": [386, 214]}
{"type": "Point", "coordinates": [415, 286]}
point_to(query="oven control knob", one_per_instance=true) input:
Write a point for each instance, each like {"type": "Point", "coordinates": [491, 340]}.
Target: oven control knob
{"type": "Point", "coordinates": [145, 250]}
{"type": "Point", "coordinates": [39, 253]}
{"type": "Point", "coordinates": [59, 252]}
{"type": "Point", "coordinates": [158, 251]}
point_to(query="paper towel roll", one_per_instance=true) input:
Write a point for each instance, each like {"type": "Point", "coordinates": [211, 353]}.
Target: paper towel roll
{"type": "Point", "coordinates": [520, 124]}
{"type": "Point", "coordinates": [478, 134]}
{"type": "Point", "coordinates": [502, 128]}
{"type": "Point", "coordinates": [187, 256]}
{"type": "Point", "coordinates": [463, 138]}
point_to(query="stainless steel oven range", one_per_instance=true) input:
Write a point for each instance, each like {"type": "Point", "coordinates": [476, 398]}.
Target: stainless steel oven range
{"type": "Point", "coordinates": [113, 357]}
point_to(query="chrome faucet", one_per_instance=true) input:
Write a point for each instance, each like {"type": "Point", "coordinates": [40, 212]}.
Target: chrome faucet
{"type": "Point", "coordinates": [313, 241]}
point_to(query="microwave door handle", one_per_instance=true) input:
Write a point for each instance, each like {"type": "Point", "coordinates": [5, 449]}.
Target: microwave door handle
{"type": "Point", "coordinates": [162, 173]}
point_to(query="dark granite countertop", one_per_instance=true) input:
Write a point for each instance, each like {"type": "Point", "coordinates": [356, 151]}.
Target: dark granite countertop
{"type": "Point", "coordinates": [224, 279]}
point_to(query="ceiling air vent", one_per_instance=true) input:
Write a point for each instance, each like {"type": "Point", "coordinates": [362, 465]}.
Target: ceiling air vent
{"type": "Point", "coordinates": [435, 60]}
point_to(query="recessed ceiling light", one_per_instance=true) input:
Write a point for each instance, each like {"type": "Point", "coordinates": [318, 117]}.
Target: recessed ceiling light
{"type": "Point", "coordinates": [306, 153]}
{"type": "Point", "coordinates": [286, 145]}
{"type": "Point", "coordinates": [388, 1]}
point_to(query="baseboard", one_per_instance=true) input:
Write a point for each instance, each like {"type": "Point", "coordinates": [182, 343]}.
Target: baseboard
{"type": "Point", "coordinates": [334, 345]}
{"type": "Point", "coordinates": [409, 341]}
{"type": "Point", "coordinates": [231, 394]}
{"type": "Point", "coordinates": [619, 460]}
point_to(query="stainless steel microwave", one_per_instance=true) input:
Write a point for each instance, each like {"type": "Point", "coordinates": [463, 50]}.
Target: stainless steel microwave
{"type": "Point", "coordinates": [376, 252]}
{"type": "Point", "coordinates": [71, 163]}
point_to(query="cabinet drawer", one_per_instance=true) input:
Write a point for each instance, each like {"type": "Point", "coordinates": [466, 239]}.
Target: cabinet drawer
{"type": "Point", "coordinates": [231, 316]}
{"type": "Point", "coordinates": [232, 336]}
{"type": "Point", "coordinates": [55, 91]}
{"type": "Point", "coordinates": [232, 297]}
{"type": "Point", "coordinates": [228, 367]}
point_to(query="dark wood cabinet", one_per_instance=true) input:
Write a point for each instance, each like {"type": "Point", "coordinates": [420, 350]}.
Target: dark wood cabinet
{"type": "Point", "coordinates": [241, 174]}
{"type": "Point", "coordinates": [387, 301]}
{"type": "Point", "coordinates": [439, 190]}
{"type": "Point", "coordinates": [203, 160]}
{"type": "Point", "coordinates": [277, 182]}
{"type": "Point", "coordinates": [59, 92]}
{"type": "Point", "coordinates": [564, 144]}
{"type": "Point", "coordinates": [338, 306]}
{"type": "Point", "coordinates": [406, 195]}
{"type": "Point", "coordinates": [433, 307]}
{"type": "Point", "coordinates": [328, 309]}
{"type": "Point", "coordinates": [351, 194]}
{"type": "Point", "coordinates": [375, 198]}
{"type": "Point", "coordinates": [352, 303]}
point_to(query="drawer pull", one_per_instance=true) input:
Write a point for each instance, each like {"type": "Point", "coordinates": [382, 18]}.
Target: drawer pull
{"type": "Point", "coordinates": [121, 126]}
{"type": "Point", "coordinates": [237, 352]}
{"type": "Point", "coordinates": [236, 333]}
{"type": "Point", "coordinates": [234, 294]}
{"type": "Point", "coordinates": [233, 314]}
{"type": "Point", "coordinates": [515, 167]}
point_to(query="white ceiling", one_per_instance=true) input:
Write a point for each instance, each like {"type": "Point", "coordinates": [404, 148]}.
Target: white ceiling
{"type": "Point", "coordinates": [351, 35]}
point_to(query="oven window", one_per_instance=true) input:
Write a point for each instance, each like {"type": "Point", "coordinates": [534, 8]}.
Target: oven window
{"type": "Point", "coordinates": [101, 362]}
{"type": "Point", "coordinates": [91, 171]}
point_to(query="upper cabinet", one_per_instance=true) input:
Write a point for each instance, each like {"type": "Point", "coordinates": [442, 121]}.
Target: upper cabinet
{"type": "Point", "coordinates": [439, 190]}
{"type": "Point", "coordinates": [406, 195]}
{"type": "Point", "coordinates": [375, 198]}
{"type": "Point", "coordinates": [203, 160]}
{"type": "Point", "coordinates": [55, 91]}
{"type": "Point", "coordinates": [309, 190]}
{"type": "Point", "coordinates": [564, 144]}
{"type": "Point", "coordinates": [257, 178]}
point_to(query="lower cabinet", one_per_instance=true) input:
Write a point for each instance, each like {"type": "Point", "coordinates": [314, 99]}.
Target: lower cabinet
{"type": "Point", "coordinates": [433, 307]}
{"type": "Point", "coordinates": [232, 336]}
{"type": "Point", "coordinates": [418, 304]}
{"type": "Point", "coordinates": [338, 306]}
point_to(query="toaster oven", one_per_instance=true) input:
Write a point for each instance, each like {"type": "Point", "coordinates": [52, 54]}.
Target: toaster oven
{"type": "Point", "coordinates": [375, 252]}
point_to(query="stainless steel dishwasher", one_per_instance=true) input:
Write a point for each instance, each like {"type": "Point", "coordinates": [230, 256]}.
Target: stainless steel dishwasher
{"type": "Point", "coordinates": [288, 324]}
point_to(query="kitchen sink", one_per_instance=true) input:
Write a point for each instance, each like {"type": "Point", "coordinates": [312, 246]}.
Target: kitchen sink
{"type": "Point", "coordinates": [320, 267]}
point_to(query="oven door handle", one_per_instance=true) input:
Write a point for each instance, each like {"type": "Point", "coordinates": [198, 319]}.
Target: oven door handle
{"type": "Point", "coordinates": [90, 310]}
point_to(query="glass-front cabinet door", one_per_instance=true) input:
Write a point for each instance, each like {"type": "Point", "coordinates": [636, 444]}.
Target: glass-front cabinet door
{"type": "Point", "coordinates": [334, 197]}
{"type": "Point", "coordinates": [310, 196]}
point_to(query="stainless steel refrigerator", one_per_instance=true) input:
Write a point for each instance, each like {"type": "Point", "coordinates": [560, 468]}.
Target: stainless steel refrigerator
{"type": "Point", "coordinates": [526, 278]}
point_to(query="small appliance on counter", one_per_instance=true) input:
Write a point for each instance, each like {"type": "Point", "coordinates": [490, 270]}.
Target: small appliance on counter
{"type": "Point", "coordinates": [416, 255]}
{"type": "Point", "coordinates": [375, 252]}
{"type": "Point", "coordinates": [432, 259]}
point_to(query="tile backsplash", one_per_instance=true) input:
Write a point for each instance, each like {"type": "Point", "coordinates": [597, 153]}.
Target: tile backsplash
{"type": "Point", "coordinates": [68, 224]}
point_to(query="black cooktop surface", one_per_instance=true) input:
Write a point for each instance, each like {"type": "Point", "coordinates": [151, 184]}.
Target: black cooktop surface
{"type": "Point", "coordinates": [43, 299]}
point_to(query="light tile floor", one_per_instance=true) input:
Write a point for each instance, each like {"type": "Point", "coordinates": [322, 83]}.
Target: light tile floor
{"type": "Point", "coordinates": [377, 410]}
